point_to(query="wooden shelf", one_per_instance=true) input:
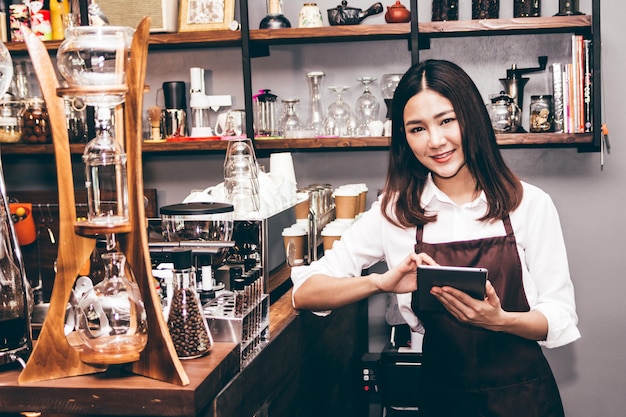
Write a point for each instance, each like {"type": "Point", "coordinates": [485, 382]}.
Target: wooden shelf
{"type": "Point", "coordinates": [230, 38]}
{"type": "Point", "coordinates": [504, 140]}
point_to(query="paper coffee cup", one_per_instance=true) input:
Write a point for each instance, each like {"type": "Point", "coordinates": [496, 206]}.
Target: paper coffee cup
{"type": "Point", "coordinates": [331, 233]}
{"type": "Point", "coordinates": [295, 241]}
{"type": "Point", "coordinates": [346, 202]}
{"type": "Point", "coordinates": [302, 207]}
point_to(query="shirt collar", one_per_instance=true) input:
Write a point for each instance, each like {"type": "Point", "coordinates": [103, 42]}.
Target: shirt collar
{"type": "Point", "coordinates": [433, 194]}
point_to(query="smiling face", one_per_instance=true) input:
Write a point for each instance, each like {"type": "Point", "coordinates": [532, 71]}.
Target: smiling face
{"type": "Point", "coordinates": [434, 135]}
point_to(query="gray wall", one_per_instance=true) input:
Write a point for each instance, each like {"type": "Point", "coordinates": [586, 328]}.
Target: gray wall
{"type": "Point", "coordinates": [592, 371]}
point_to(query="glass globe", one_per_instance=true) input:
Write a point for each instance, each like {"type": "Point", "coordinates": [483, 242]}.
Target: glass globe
{"type": "Point", "coordinates": [6, 69]}
{"type": "Point", "coordinates": [110, 318]}
{"type": "Point", "coordinates": [96, 56]}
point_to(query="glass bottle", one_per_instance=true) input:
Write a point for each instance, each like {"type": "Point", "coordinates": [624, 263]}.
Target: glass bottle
{"type": "Point", "coordinates": [111, 318]}
{"type": "Point", "coordinates": [15, 336]}
{"type": "Point", "coordinates": [274, 18]}
{"type": "Point", "coordinates": [188, 328]}
{"type": "Point", "coordinates": [315, 116]}
{"type": "Point", "coordinates": [105, 174]}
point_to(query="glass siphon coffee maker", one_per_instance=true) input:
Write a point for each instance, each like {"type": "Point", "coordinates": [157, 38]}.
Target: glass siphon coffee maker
{"type": "Point", "coordinates": [15, 331]}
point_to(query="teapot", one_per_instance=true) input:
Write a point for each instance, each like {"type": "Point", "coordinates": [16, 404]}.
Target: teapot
{"type": "Point", "coordinates": [344, 15]}
{"type": "Point", "coordinates": [504, 113]}
{"type": "Point", "coordinates": [397, 13]}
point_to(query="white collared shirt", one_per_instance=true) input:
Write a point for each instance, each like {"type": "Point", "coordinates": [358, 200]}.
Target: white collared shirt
{"type": "Point", "coordinates": [545, 271]}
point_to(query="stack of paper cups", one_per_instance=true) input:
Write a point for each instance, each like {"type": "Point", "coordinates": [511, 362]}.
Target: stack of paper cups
{"type": "Point", "coordinates": [282, 164]}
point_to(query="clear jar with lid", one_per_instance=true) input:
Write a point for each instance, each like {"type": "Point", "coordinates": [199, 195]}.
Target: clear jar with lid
{"type": "Point", "coordinates": [35, 122]}
{"type": "Point", "coordinates": [541, 114]}
{"type": "Point", "coordinates": [10, 131]}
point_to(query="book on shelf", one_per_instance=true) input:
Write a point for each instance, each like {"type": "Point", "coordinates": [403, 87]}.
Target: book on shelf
{"type": "Point", "coordinates": [572, 86]}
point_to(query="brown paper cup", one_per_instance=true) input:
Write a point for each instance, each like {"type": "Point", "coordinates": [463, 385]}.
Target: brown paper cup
{"type": "Point", "coordinates": [328, 241]}
{"type": "Point", "coordinates": [302, 209]}
{"type": "Point", "coordinates": [295, 242]}
{"type": "Point", "coordinates": [346, 206]}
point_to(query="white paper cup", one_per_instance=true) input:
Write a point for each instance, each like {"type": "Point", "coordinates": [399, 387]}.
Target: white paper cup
{"type": "Point", "coordinates": [295, 241]}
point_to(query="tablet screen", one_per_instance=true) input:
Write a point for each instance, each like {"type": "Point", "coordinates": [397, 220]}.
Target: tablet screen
{"type": "Point", "coordinates": [469, 280]}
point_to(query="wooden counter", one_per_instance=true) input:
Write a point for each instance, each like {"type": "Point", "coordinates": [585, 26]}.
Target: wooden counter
{"type": "Point", "coordinates": [307, 369]}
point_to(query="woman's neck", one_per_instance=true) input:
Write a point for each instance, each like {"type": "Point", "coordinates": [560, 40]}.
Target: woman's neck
{"type": "Point", "coordinates": [461, 188]}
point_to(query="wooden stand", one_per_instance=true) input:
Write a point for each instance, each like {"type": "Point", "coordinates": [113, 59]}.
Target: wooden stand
{"type": "Point", "coordinates": [53, 357]}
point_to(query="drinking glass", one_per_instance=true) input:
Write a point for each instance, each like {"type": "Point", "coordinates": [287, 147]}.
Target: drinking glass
{"type": "Point", "coordinates": [336, 122]}
{"type": "Point", "coordinates": [367, 106]}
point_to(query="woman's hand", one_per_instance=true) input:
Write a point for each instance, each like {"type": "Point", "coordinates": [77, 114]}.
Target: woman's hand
{"type": "Point", "coordinates": [485, 313]}
{"type": "Point", "coordinates": [488, 313]}
{"type": "Point", "coordinates": [402, 278]}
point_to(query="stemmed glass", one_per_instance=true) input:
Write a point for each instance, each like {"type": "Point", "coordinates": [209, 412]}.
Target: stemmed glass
{"type": "Point", "coordinates": [367, 106]}
{"type": "Point", "coordinates": [336, 121]}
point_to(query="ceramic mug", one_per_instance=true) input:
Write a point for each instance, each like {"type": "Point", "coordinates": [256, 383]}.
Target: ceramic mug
{"type": "Point", "coordinates": [310, 16]}
{"type": "Point", "coordinates": [231, 123]}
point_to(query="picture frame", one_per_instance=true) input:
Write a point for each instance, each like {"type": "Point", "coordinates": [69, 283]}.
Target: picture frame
{"type": "Point", "coordinates": [202, 15]}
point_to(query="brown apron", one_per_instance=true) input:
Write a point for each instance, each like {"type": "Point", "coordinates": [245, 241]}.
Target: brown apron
{"type": "Point", "coordinates": [469, 371]}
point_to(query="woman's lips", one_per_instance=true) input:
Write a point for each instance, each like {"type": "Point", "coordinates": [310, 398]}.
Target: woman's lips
{"type": "Point", "coordinates": [443, 157]}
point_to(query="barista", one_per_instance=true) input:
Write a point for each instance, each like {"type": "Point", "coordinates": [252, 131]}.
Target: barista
{"type": "Point", "coordinates": [450, 199]}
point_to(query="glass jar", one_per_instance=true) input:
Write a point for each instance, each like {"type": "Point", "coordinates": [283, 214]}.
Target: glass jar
{"type": "Point", "coordinates": [485, 9]}
{"type": "Point", "coordinates": [10, 131]}
{"type": "Point", "coordinates": [527, 8]}
{"type": "Point", "coordinates": [35, 122]}
{"type": "Point", "coordinates": [445, 10]}
{"type": "Point", "coordinates": [541, 114]}
{"type": "Point", "coordinates": [568, 8]}
{"type": "Point", "coordinates": [504, 113]}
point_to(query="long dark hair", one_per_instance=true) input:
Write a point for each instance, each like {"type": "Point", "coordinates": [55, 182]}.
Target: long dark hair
{"type": "Point", "coordinates": [406, 176]}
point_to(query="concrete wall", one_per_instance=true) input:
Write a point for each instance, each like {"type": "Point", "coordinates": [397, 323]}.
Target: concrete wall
{"type": "Point", "coordinates": [592, 371]}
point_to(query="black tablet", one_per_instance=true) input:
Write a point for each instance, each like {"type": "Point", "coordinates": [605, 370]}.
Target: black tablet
{"type": "Point", "coordinates": [469, 280]}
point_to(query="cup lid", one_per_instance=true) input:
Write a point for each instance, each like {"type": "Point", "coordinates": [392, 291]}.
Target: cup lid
{"type": "Point", "coordinates": [186, 209]}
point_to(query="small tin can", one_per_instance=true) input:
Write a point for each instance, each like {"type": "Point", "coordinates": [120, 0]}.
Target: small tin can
{"type": "Point", "coordinates": [541, 114]}
{"type": "Point", "coordinates": [310, 16]}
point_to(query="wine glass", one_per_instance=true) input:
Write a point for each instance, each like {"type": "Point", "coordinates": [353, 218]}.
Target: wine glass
{"type": "Point", "coordinates": [338, 114]}
{"type": "Point", "coordinates": [367, 106]}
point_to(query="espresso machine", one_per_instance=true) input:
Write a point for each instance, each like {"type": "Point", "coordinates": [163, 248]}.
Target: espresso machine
{"type": "Point", "coordinates": [174, 115]}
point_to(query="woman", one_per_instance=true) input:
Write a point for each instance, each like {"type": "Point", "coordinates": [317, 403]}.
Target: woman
{"type": "Point", "coordinates": [450, 199]}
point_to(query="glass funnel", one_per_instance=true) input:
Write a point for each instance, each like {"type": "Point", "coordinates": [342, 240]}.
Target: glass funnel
{"type": "Point", "coordinates": [367, 106]}
{"type": "Point", "coordinates": [110, 317]}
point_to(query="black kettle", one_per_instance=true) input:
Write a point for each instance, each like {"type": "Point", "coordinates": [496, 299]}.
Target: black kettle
{"type": "Point", "coordinates": [344, 15]}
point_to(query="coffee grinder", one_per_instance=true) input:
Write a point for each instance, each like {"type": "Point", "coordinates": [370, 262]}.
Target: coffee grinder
{"type": "Point", "coordinates": [202, 104]}
{"type": "Point", "coordinates": [514, 83]}
{"type": "Point", "coordinates": [174, 115]}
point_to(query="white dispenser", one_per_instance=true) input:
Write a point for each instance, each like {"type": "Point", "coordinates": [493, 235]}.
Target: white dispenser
{"type": "Point", "coordinates": [202, 104]}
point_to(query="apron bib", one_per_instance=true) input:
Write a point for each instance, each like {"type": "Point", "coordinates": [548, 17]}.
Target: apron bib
{"type": "Point", "coordinates": [470, 371]}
